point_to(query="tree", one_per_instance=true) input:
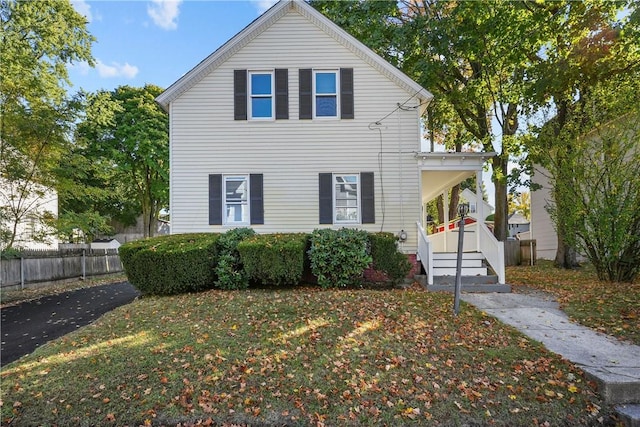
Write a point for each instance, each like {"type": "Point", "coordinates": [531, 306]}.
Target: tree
{"type": "Point", "coordinates": [587, 44]}
{"type": "Point", "coordinates": [472, 55]}
{"type": "Point", "coordinates": [520, 203]}
{"type": "Point", "coordinates": [39, 40]}
{"type": "Point", "coordinates": [597, 190]}
{"type": "Point", "coordinates": [126, 134]}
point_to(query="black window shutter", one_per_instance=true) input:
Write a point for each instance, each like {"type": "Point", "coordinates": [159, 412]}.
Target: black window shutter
{"type": "Point", "coordinates": [346, 93]}
{"type": "Point", "coordinates": [326, 198]}
{"type": "Point", "coordinates": [240, 94]}
{"type": "Point", "coordinates": [282, 93]}
{"type": "Point", "coordinates": [215, 199]}
{"type": "Point", "coordinates": [256, 198]}
{"type": "Point", "coordinates": [306, 95]}
{"type": "Point", "coordinates": [367, 198]}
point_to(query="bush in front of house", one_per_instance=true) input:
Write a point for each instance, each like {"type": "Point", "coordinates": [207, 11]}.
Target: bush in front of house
{"type": "Point", "coordinates": [168, 265]}
{"type": "Point", "coordinates": [229, 270]}
{"type": "Point", "coordinates": [274, 259]}
{"type": "Point", "coordinates": [339, 257]}
{"type": "Point", "coordinates": [386, 256]}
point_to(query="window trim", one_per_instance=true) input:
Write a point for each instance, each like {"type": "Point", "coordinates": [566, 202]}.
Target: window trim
{"type": "Point", "coordinates": [247, 180]}
{"type": "Point", "coordinates": [334, 183]}
{"type": "Point", "coordinates": [314, 93]}
{"type": "Point", "coordinates": [251, 96]}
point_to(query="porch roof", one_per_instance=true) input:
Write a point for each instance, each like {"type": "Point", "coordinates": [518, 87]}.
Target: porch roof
{"type": "Point", "coordinates": [441, 171]}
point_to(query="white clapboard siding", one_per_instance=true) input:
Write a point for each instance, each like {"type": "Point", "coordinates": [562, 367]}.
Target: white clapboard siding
{"type": "Point", "coordinates": [291, 153]}
{"type": "Point", "coordinates": [542, 229]}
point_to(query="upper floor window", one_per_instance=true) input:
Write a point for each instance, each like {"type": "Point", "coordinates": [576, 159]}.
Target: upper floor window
{"type": "Point", "coordinates": [261, 94]}
{"type": "Point", "coordinates": [326, 93]}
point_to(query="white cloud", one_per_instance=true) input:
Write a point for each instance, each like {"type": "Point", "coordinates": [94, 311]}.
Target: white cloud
{"type": "Point", "coordinates": [82, 67]}
{"type": "Point", "coordinates": [263, 5]}
{"type": "Point", "coordinates": [116, 70]}
{"type": "Point", "coordinates": [83, 8]}
{"type": "Point", "coordinates": [164, 13]}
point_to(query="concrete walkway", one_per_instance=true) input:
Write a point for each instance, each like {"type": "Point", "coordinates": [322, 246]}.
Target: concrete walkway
{"type": "Point", "coordinates": [613, 365]}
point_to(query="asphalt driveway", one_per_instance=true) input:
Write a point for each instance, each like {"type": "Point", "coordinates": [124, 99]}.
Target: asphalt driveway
{"type": "Point", "coordinates": [28, 325]}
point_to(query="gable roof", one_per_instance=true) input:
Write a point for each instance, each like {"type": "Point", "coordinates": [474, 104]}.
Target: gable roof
{"type": "Point", "coordinates": [267, 19]}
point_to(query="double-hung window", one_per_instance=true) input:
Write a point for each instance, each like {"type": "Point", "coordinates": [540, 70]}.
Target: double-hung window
{"type": "Point", "coordinates": [236, 199]}
{"type": "Point", "coordinates": [346, 196]}
{"type": "Point", "coordinates": [326, 84]}
{"type": "Point", "coordinates": [261, 103]}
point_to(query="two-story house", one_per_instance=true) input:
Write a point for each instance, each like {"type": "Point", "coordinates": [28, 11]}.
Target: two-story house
{"type": "Point", "coordinates": [293, 125]}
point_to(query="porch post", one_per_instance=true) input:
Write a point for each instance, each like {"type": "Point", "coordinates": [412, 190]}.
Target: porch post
{"type": "Point", "coordinates": [445, 201]}
{"type": "Point", "coordinates": [479, 207]}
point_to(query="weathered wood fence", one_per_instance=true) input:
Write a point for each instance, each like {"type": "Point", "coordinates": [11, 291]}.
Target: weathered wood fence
{"type": "Point", "coordinates": [520, 252]}
{"type": "Point", "coordinates": [37, 266]}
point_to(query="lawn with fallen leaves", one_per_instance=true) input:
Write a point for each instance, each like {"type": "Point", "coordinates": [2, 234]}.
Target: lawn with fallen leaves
{"type": "Point", "coordinates": [300, 356]}
{"type": "Point", "coordinates": [611, 308]}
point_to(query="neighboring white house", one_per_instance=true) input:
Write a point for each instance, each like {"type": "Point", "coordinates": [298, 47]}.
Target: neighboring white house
{"type": "Point", "coordinates": [31, 203]}
{"type": "Point", "coordinates": [294, 125]}
{"type": "Point", "coordinates": [470, 197]}
{"type": "Point", "coordinates": [517, 224]}
{"type": "Point", "coordinates": [105, 244]}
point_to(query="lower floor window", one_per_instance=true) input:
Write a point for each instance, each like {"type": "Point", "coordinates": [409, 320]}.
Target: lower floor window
{"type": "Point", "coordinates": [346, 198]}
{"type": "Point", "coordinates": [236, 200]}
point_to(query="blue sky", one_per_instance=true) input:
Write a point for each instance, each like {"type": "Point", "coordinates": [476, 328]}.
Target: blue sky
{"type": "Point", "coordinates": [156, 41]}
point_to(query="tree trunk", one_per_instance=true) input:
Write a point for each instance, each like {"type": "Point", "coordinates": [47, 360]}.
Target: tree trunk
{"type": "Point", "coordinates": [453, 201]}
{"type": "Point", "coordinates": [501, 215]}
{"type": "Point", "coordinates": [566, 256]}
{"type": "Point", "coordinates": [440, 205]}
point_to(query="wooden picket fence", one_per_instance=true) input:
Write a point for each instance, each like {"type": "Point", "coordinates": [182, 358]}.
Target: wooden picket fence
{"type": "Point", "coordinates": [40, 266]}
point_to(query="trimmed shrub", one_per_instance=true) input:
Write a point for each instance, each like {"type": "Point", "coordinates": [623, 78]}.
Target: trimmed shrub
{"type": "Point", "coordinates": [274, 259]}
{"type": "Point", "coordinates": [173, 264]}
{"type": "Point", "coordinates": [229, 271]}
{"type": "Point", "coordinates": [339, 257]}
{"type": "Point", "coordinates": [386, 256]}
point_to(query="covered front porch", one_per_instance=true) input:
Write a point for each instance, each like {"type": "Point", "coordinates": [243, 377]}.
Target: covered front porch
{"type": "Point", "coordinates": [483, 253]}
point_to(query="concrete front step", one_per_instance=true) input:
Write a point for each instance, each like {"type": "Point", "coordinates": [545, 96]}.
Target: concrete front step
{"type": "Point", "coordinates": [466, 271]}
{"type": "Point", "coordinates": [454, 255]}
{"type": "Point", "coordinates": [469, 284]}
{"type": "Point", "coordinates": [453, 263]}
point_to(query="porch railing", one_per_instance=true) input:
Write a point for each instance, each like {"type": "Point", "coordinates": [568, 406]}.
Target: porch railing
{"type": "Point", "coordinates": [425, 253]}
{"type": "Point", "coordinates": [493, 251]}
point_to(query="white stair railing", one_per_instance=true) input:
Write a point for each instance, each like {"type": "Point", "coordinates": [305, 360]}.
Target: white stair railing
{"type": "Point", "coordinates": [493, 251]}
{"type": "Point", "coordinates": [425, 253]}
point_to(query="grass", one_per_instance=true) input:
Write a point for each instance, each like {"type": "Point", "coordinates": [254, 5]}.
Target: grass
{"type": "Point", "coordinates": [300, 356]}
{"type": "Point", "coordinates": [20, 295]}
{"type": "Point", "coordinates": [611, 308]}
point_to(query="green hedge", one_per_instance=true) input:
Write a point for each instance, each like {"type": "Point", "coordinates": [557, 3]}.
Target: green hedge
{"type": "Point", "coordinates": [192, 262]}
{"type": "Point", "coordinates": [229, 270]}
{"type": "Point", "coordinates": [173, 264]}
{"type": "Point", "coordinates": [386, 256]}
{"type": "Point", "coordinates": [274, 259]}
{"type": "Point", "coordinates": [339, 257]}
